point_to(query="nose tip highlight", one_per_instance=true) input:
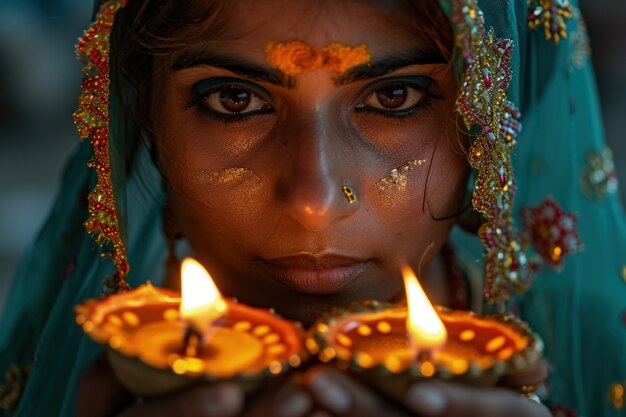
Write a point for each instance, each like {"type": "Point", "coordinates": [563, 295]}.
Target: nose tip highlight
{"type": "Point", "coordinates": [318, 170]}
{"type": "Point", "coordinates": [317, 209]}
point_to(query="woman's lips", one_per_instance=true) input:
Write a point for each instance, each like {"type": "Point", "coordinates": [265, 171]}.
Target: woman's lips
{"type": "Point", "coordinates": [316, 275]}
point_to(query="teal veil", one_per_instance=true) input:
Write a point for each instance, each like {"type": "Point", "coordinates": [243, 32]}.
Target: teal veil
{"type": "Point", "coordinates": [578, 308]}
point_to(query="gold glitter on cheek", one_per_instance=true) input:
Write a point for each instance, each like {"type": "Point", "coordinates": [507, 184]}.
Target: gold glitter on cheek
{"type": "Point", "coordinates": [221, 177]}
{"type": "Point", "coordinates": [243, 180]}
{"type": "Point", "coordinates": [398, 178]}
{"type": "Point", "coordinates": [229, 175]}
{"type": "Point", "coordinates": [245, 141]}
{"type": "Point", "coordinates": [242, 186]}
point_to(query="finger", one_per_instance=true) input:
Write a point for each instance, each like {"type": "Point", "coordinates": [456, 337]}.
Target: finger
{"type": "Point", "coordinates": [343, 396]}
{"type": "Point", "coordinates": [220, 400]}
{"type": "Point", "coordinates": [532, 376]}
{"type": "Point", "coordinates": [431, 399]}
{"type": "Point", "coordinates": [290, 400]}
{"type": "Point", "coordinates": [99, 392]}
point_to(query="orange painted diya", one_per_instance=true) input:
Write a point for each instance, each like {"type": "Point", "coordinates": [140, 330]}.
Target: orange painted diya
{"type": "Point", "coordinates": [150, 350]}
{"type": "Point", "coordinates": [379, 344]}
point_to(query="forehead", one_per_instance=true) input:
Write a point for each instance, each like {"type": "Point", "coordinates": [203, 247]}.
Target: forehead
{"type": "Point", "coordinates": [247, 26]}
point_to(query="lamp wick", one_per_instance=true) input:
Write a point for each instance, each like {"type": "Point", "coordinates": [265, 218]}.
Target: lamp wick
{"type": "Point", "coordinates": [192, 341]}
{"type": "Point", "coordinates": [425, 355]}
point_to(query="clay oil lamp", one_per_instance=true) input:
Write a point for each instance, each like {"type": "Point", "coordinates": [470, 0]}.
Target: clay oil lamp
{"type": "Point", "coordinates": [159, 341]}
{"type": "Point", "coordinates": [391, 346]}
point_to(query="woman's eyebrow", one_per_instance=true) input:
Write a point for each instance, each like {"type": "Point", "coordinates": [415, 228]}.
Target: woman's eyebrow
{"type": "Point", "coordinates": [259, 72]}
{"type": "Point", "coordinates": [390, 63]}
{"type": "Point", "coordinates": [237, 65]}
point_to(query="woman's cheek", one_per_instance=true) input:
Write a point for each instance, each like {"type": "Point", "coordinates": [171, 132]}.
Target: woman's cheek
{"type": "Point", "coordinates": [225, 197]}
{"type": "Point", "coordinates": [396, 188]}
{"type": "Point", "coordinates": [419, 169]}
{"type": "Point", "coordinates": [211, 183]}
{"type": "Point", "coordinates": [208, 198]}
{"type": "Point", "coordinates": [397, 194]}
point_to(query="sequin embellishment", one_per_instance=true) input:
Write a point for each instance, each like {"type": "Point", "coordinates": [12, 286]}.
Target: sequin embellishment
{"type": "Point", "coordinates": [493, 124]}
{"type": "Point", "coordinates": [551, 15]}
{"type": "Point", "coordinates": [11, 392]}
{"type": "Point", "coordinates": [92, 122]}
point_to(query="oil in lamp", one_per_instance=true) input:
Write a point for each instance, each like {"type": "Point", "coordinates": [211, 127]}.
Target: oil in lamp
{"type": "Point", "coordinates": [391, 346]}
{"type": "Point", "coordinates": [160, 341]}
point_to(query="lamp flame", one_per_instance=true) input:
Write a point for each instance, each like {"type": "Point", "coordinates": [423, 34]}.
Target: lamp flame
{"type": "Point", "coordinates": [201, 302]}
{"type": "Point", "coordinates": [426, 330]}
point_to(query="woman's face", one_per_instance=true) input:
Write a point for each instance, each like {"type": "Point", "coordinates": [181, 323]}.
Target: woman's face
{"type": "Point", "coordinates": [257, 161]}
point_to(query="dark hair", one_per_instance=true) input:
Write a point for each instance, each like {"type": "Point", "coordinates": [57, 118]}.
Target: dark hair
{"type": "Point", "coordinates": [149, 29]}
{"type": "Point", "coordinates": [145, 30]}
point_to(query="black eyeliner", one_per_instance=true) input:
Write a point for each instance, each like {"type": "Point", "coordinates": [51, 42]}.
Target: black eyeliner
{"type": "Point", "coordinates": [420, 83]}
{"type": "Point", "coordinates": [208, 86]}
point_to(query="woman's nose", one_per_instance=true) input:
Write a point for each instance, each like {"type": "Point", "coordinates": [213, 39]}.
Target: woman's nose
{"type": "Point", "coordinates": [319, 190]}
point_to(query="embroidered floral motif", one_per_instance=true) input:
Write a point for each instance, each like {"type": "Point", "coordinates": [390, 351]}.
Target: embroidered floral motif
{"type": "Point", "coordinates": [553, 232]}
{"type": "Point", "coordinates": [493, 123]}
{"type": "Point", "coordinates": [506, 263]}
{"type": "Point", "coordinates": [92, 121]}
{"type": "Point", "coordinates": [11, 392]}
{"type": "Point", "coordinates": [581, 49]}
{"type": "Point", "coordinates": [598, 178]}
{"type": "Point", "coordinates": [551, 14]}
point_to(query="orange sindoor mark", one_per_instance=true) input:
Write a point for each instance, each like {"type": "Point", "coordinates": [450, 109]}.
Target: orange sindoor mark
{"type": "Point", "coordinates": [295, 57]}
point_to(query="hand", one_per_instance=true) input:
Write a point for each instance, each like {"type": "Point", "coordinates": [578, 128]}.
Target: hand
{"type": "Point", "coordinates": [285, 398]}
{"type": "Point", "coordinates": [101, 395]}
{"type": "Point", "coordinates": [435, 398]}
{"type": "Point", "coordinates": [338, 394]}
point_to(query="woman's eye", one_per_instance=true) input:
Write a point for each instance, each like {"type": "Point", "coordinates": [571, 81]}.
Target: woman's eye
{"type": "Point", "coordinates": [393, 97]}
{"type": "Point", "coordinates": [234, 101]}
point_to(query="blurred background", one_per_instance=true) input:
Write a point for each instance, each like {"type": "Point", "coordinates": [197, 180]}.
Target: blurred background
{"type": "Point", "coordinates": [39, 86]}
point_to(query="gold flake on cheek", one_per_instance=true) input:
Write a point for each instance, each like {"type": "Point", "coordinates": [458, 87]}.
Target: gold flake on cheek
{"type": "Point", "coordinates": [235, 177]}
{"type": "Point", "coordinates": [220, 177]}
{"type": "Point", "coordinates": [242, 186]}
{"type": "Point", "coordinates": [398, 178]}
{"type": "Point", "coordinates": [246, 141]}
{"type": "Point", "coordinates": [241, 146]}
{"type": "Point", "coordinates": [229, 175]}
{"type": "Point", "coordinates": [295, 57]}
